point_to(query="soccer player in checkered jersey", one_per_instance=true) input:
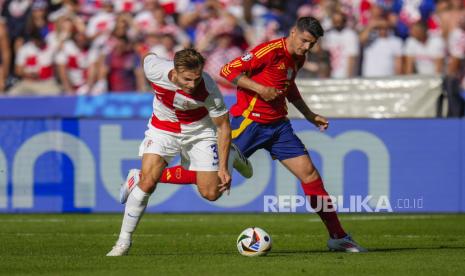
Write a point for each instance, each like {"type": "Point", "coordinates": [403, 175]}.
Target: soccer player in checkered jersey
{"type": "Point", "coordinates": [266, 78]}
{"type": "Point", "coordinates": [189, 118]}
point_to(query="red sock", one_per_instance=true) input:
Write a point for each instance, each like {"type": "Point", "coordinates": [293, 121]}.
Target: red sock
{"type": "Point", "coordinates": [178, 175]}
{"type": "Point", "coordinates": [315, 190]}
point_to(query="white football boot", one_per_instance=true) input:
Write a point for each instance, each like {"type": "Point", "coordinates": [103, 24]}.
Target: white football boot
{"type": "Point", "coordinates": [120, 249]}
{"type": "Point", "coordinates": [240, 162]}
{"type": "Point", "coordinates": [346, 244]}
{"type": "Point", "coordinates": [131, 181]}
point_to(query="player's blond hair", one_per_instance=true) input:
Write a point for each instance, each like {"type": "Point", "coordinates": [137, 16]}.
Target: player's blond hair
{"type": "Point", "coordinates": [188, 59]}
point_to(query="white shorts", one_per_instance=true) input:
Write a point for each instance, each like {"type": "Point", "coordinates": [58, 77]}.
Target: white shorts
{"type": "Point", "coordinates": [198, 152]}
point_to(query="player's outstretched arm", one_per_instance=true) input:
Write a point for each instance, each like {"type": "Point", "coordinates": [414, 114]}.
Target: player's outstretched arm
{"type": "Point", "coordinates": [319, 121]}
{"type": "Point", "coordinates": [224, 144]}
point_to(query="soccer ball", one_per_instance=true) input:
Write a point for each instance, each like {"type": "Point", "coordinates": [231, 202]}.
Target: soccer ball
{"type": "Point", "coordinates": [254, 241]}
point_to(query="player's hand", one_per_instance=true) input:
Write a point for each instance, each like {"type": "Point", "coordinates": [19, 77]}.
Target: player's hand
{"type": "Point", "coordinates": [225, 180]}
{"type": "Point", "coordinates": [321, 122]}
{"type": "Point", "coordinates": [269, 93]}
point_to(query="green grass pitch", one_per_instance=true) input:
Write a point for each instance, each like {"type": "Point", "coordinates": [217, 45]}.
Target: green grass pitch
{"type": "Point", "coordinates": [204, 244]}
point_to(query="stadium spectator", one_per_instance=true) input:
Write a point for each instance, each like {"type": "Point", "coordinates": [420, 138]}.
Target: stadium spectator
{"type": "Point", "coordinates": [16, 13]}
{"type": "Point", "coordinates": [34, 65]}
{"type": "Point", "coordinates": [167, 46]}
{"type": "Point", "coordinates": [224, 50]}
{"type": "Point", "coordinates": [103, 22]}
{"type": "Point", "coordinates": [76, 65]}
{"type": "Point", "coordinates": [343, 44]}
{"type": "Point", "coordinates": [144, 21]}
{"type": "Point", "coordinates": [196, 23]}
{"type": "Point", "coordinates": [38, 19]}
{"type": "Point", "coordinates": [5, 56]}
{"type": "Point", "coordinates": [424, 53]}
{"type": "Point", "coordinates": [317, 65]}
{"type": "Point", "coordinates": [122, 67]}
{"type": "Point", "coordinates": [410, 12]}
{"type": "Point", "coordinates": [451, 18]}
{"type": "Point", "coordinates": [456, 70]}
{"type": "Point", "coordinates": [164, 24]}
{"type": "Point", "coordinates": [382, 51]}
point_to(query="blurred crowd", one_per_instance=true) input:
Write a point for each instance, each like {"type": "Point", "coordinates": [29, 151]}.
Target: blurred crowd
{"type": "Point", "coordinates": [69, 47]}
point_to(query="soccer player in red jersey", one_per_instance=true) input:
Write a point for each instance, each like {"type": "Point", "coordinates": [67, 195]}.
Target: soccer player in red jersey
{"type": "Point", "coordinates": [266, 78]}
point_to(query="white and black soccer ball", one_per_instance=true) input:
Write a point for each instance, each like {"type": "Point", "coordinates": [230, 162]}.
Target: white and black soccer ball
{"type": "Point", "coordinates": [254, 241]}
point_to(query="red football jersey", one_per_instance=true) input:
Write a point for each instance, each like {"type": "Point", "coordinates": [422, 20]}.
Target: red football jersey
{"type": "Point", "coordinates": [269, 64]}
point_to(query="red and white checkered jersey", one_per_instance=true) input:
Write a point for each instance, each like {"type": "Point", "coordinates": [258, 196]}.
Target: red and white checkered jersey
{"type": "Point", "coordinates": [77, 62]}
{"type": "Point", "coordinates": [35, 60]}
{"type": "Point", "coordinates": [131, 6]}
{"type": "Point", "coordinates": [144, 21]}
{"type": "Point", "coordinates": [102, 22]}
{"type": "Point", "coordinates": [177, 111]}
{"type": "Point", "coordinates": [456, 43]}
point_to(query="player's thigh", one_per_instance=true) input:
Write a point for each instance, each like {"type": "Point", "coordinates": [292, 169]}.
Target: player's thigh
{"type": "Point", "coordinates": [156, 150]}
{"type": "Point", "coordinates": [208, 184]}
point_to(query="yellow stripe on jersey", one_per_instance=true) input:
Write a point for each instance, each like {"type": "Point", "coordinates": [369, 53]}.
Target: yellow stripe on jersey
{"type": "Point", "coordinates": [225, 70]}
{"type": "Point", "coordinates": [265, 50]}
{"type": "Point", "coordinates": [247, 121]}
{"type": "Point", "coordinates": [237, 62]}
{"type": "Point", "coordinates": [269, 50]}
{"type": "Point", "coordinates": [266, 47]}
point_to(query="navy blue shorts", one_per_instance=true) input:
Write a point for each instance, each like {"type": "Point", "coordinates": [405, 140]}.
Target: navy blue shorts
{"type": "Point", "coordinates": [277, 138]}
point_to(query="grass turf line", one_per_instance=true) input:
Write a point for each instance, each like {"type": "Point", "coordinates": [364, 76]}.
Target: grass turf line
{"type": "Point", "coordinates": [192, 244]}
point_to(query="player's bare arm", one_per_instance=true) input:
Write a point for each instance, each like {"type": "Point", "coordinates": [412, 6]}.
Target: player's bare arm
{"type": "Point", "coordinates": [267, 93]}
{"type": "Point", "coordinates": [319, 121]}
{"type": "Point", "coordinates": [224, 144]}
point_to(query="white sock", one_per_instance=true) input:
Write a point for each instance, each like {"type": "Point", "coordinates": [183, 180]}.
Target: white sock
{"type": "Point", "coordinates": [135, 207]}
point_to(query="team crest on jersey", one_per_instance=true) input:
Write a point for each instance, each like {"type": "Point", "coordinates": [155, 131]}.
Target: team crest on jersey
{"type": "Point", "coordinates": [247, 56]}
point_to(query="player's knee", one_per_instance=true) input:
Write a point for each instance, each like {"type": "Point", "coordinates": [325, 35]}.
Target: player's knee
{"type": "Point", "coordinates": [311, 175]}
{"type": "Point", "coordinates": [211, 195]}
{"type": "Point", "coordinates": [147, 184]}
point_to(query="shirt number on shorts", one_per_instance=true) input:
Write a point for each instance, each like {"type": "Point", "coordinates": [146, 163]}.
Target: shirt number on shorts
{"type": "Point", "coordinates": [215, 151]}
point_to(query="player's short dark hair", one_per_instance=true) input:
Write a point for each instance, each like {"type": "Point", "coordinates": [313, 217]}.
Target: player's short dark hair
{"type": "Point", "coordinates": [188, 59]}
{"type": "Point", "coordinates": [310, 24]}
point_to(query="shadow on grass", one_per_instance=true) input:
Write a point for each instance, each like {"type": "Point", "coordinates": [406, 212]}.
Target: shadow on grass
{"type": "Point", "coordinates": [370, 250]}
{"type": "Point", "coordinates": [281, 253]}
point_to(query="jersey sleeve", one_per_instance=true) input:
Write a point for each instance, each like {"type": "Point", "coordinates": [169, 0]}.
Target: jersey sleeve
{"type": "Point", "coordinates": [245, 65]}
{"type": "Point", "coordinates": [214, 102]}
{"type": "Point", "coordinates": [293, 93]}
{"type": "Point", "coordinates": [153, 67]}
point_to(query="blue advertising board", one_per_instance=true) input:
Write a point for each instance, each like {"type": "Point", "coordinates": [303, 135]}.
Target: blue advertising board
{"type": "Point", "coordinates": [77, 165]}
